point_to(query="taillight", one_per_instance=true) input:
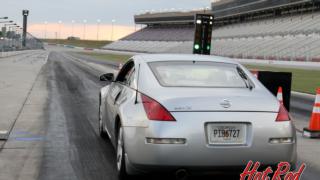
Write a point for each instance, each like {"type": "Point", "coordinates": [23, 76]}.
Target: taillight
{"type": "Point", "coordinates": [283, 114]}
{"type": "Point", "coordinates": [155, 111]}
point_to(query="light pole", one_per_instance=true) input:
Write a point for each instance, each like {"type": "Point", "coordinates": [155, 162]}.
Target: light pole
{"type": "Point", "coordinates": [21, 31]}
{"type": "Point", "coordinates": [45, 29]}
{"type": "Point", "coordinates": [17, 35]}
{"type": "Point", "coordinates": [112, 24]}
{"type": "Point", "coordinates": [14, 35]}
{"type": "Point", "coordinates": [60, 22]}
{"type": "Point", "coordinates": [20, 36]}
{"type": "Point", "coordinates": [9, 35]}
{"type": "Point", "coordinates": [5, 22]}
{"type": "Point", "coordinates": [72, 27]}
{"type": "Point", "coordinates": [84, 29]}
{"type": "Point", "coordinates": [10, 24]}
{"type": "Point", "coordinates": [98, 28]}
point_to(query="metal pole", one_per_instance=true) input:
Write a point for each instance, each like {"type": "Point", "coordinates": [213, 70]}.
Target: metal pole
{"type": "Point", "coordinates": [45, 29]}
{"type": "Point", "coordinates": [8, 42]}
{"type": "Point", "coordinates": [72, 28]}
{"type": "Point", "coordinates": [14, 36]}
{"type": "Point", "coordinates": [111, 31]}
{"type": "Point", "coordinates": [60, 22]}
{"type": "Point", "coordinates": [112, 23]}
{"type": "Point", "coordinates": [84, 29]}
{"type": "Point", "coordinates": [20, 36]}
{"type": "Point", "coordinates": [10, 37]}
{"type": "Point", "coordinates": [11, 41]}
{"type": "Point", "coordinates": [98, 28]}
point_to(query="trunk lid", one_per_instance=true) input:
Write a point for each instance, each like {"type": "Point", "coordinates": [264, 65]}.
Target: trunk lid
{"type": "Point", "coordinates": [215, 99]}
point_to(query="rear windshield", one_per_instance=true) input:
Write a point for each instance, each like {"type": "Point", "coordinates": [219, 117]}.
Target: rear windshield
{"type": "Point", "coordinates": [197, 74]}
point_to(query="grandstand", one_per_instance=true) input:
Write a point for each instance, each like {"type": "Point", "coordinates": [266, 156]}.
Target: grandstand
{"type": "Point", "coordinates": [253, 29]}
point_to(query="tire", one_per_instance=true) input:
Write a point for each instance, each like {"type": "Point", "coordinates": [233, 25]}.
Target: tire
{"type": "Point", "coordinates": [103, 134]}
{"type": "Point", "coordinates": [120, 157]}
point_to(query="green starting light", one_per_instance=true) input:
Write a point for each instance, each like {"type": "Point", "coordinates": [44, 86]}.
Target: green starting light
{"type": "Point", "coordinates": [196, 46]}
{"type": "Point", "coordinates": [208, 47]}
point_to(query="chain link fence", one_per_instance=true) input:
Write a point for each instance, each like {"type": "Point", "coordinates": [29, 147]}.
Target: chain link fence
{"type": "Point", "coordinates": [13, 42]}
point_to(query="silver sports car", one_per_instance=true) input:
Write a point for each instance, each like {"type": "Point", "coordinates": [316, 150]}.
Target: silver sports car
{"type": "Point", "coordinates": [184, 113]}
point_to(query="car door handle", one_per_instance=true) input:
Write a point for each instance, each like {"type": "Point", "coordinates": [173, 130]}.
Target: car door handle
{"type": "Point", "coordinates": [117, 97]}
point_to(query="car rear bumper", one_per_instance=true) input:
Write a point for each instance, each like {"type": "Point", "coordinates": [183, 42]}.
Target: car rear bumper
{"type": "Point", "coordinates": [196, 153]}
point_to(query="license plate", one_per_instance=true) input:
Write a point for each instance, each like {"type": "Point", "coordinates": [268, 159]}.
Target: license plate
{"type": "Point", "coordinates": [227, 133]}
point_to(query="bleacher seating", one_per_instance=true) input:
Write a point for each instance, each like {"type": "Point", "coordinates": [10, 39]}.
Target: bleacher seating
{"type": "Point", "coordinates": [287, 38]}
{"type": "Point", "coordinates": [304, 24]}
{"type": "Point", "coordinates": [180, 33]}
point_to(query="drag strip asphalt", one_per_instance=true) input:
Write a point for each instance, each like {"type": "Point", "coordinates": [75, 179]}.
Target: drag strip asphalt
{"type": "Point", "coordinates": [73, 149]}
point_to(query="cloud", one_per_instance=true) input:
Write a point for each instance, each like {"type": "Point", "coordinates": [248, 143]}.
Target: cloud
{"type": "Point", "coordinates": [88, 31]}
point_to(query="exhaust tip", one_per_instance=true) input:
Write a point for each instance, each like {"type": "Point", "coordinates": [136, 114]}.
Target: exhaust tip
{"type": "Point", "coordinates": [181, 174]}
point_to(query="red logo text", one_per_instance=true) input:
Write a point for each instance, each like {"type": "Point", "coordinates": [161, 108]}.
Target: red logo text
{"type": "Point", "coordinates": [282, 172]}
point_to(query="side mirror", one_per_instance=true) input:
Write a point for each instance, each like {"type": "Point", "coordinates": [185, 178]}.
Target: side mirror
{"type": "Point", "coordinates": [107, 77]}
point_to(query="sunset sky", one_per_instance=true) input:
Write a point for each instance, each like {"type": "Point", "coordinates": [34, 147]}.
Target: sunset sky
{"type": "Point", "coordinates": [66, 11]}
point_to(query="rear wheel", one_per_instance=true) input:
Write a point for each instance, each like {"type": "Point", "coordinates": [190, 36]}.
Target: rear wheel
{"type": "Point", "coordinates": [121, 165]}
{"type": "Point", "coordinates": [102, 132]}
